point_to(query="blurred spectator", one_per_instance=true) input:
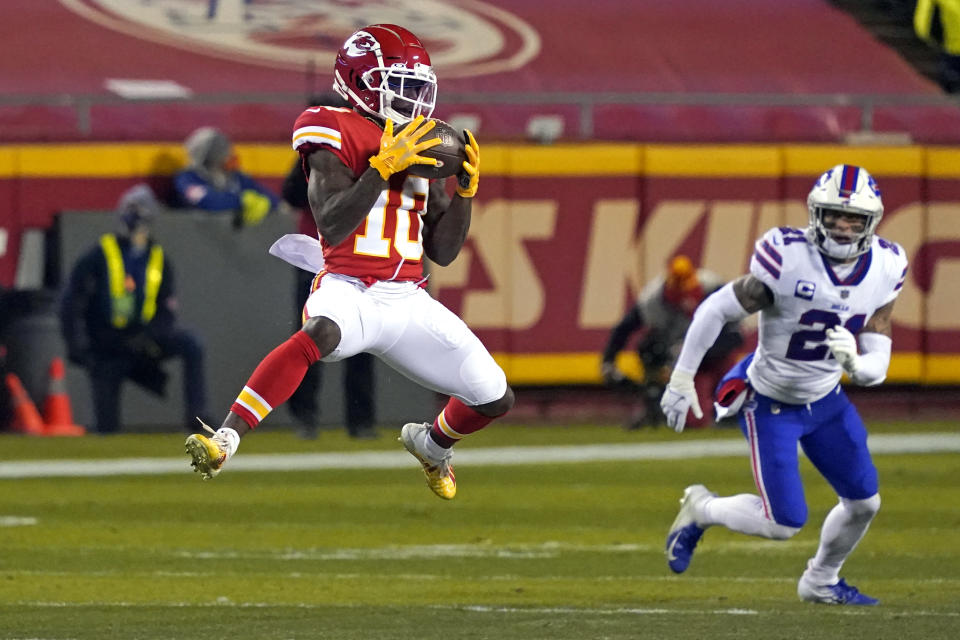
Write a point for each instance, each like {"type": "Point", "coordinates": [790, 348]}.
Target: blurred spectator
{"type": "Point", "coordinates": [665, 308]}
{"type": "Point", "coordinates": [117, 316]}
{"type": "Point", "coordinates": [358, 389]}
{"type": "Point", "coordinates": [937, 22]}
{"type": "Point", "coordinates": [214, 182]}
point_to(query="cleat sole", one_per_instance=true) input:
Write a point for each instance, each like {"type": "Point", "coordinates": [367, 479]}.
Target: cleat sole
{"type": "Point", "coordinates": [201, 461]}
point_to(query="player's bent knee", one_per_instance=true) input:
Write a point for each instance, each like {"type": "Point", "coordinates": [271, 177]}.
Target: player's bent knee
{"type": "Point", "coordinates": [504, 404]}
{"type": "Point", "coordinates": [499, 407]}
{"type": "Point", "coordinates": [483, 385]}
{"type": "Point", "coordinates": [324, 332]}
{"type": "Point", "coordinates": [862, 509]}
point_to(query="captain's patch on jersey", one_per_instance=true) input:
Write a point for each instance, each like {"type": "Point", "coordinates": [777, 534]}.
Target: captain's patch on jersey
{"type": "Point", "coordinates": [805, 289]}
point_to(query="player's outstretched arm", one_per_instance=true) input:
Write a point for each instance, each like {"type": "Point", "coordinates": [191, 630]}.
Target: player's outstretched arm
{"type": "Point", "coordinates": [731, 303]}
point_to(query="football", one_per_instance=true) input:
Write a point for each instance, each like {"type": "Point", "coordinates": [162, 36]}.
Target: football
{"type": "Point", "coordinates": [450, 153]}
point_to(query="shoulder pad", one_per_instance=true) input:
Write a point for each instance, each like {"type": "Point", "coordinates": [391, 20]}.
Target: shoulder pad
{"type": "Point", "coordinates": [767, 259]}
{"type": "Point", "coordinates": [894, 259]}
{"type": "Point", "coordinates": [319, 126]}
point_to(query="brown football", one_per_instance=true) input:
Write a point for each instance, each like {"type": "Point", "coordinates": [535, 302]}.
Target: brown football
{"type": "Point", "coordinates": [449, 154]}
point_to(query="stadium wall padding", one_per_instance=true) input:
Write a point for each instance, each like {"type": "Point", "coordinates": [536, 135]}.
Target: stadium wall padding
{"type": "Point", "coordinates": [240, 301]}
{"type": "Point", "coordinates": [564, 236]}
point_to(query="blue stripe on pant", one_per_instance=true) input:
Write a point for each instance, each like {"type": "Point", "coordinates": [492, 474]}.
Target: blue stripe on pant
{"type": "Point", "coordinates": [833, 438]}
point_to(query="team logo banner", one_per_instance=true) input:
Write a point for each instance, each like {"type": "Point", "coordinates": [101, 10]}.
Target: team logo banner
{"type": "Point", "coordinates": [464, 39]}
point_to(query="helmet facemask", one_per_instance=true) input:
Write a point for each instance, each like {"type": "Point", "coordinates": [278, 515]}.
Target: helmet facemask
{"type": "Point", "coordinates": [849, 193]}
{"type": "Point", "coordinates": [404, 93]}
{"type": "Point", "coordinates": [837, 246]}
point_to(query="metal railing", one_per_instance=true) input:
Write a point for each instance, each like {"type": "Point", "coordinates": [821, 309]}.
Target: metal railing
{"type": "Point", "coordinates": [586, 103]}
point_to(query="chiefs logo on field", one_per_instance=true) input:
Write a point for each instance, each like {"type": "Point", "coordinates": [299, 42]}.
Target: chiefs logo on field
{"type": "Point", "coordinates": [467, 39]}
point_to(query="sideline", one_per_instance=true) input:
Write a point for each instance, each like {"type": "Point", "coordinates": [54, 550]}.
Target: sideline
{"type": "Point", "coordinates": [494, 456]}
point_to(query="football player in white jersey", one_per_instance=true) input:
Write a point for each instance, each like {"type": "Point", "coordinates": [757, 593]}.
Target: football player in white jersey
{"type": "Point", "coordinates": [825, 296]}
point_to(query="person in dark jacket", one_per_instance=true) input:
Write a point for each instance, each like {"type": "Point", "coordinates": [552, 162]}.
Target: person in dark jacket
{"type": "Point", "coordinates": [118, 316]}
{"type": "Point", "coordinates": [661, 314]}
{"type": "Point", "coordinates": [214, 182]}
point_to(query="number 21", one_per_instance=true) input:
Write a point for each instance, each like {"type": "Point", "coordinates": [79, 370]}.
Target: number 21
{"type": "Point", "coordinates": [798, 348]}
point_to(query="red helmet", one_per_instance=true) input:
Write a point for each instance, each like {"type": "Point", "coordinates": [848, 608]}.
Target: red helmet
{"type": "Point", "coordinates": [384, 70]}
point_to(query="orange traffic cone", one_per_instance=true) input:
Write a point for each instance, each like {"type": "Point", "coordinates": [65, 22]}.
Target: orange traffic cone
{"type": "Point", "coordinates": [26, 418]}
{"type": "Point", "coordinates": [56, 408]}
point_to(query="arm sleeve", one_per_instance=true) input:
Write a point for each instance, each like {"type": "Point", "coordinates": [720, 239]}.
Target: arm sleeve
{"type": "Point", "coordinates": [630, 322]}
{"type": "Point", "coordinates": [874, 359]}
{"type": "Point", "coordinates": [712, 314]}
{"type": "Point", "coordinates": [900, 268]}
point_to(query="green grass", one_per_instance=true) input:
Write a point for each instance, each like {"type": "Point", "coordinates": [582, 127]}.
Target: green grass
{"type": "Point", "coordinates": [539, 551]}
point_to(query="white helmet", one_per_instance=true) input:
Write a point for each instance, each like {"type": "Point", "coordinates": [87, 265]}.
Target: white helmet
{"type": "Point", "coordinates": [844, 189]}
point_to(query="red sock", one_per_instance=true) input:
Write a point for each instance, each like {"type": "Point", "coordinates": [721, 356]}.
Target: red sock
{"type": "Point", "coordinates": [276, 378]}
{"type": "Point", "coordinates": [455, 421]}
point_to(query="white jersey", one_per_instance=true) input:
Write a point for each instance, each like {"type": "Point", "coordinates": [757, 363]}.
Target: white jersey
{"type": "Point", "coordinates": [792, 363]}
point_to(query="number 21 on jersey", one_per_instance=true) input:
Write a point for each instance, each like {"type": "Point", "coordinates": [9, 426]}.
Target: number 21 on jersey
{"type": "Point", "coordinates": [809, 344]}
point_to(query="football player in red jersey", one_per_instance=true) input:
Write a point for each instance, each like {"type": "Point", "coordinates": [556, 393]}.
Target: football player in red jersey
{"type": "Point", "coordinates": [376, 222]}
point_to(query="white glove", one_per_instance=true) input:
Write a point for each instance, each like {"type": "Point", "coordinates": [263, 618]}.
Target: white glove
{"type": "Point", "coordinates": [680, 396]}
{"type": "Point", "coordinates": [843, 346]}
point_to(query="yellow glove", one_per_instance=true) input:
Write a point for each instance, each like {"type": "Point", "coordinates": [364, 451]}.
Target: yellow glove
{"type": "Point", "coordinates": [469, 179]}
{"type": "Point", "coordinates": [254, 207]}
{"type": "Point", "coordinates": [400, 151]}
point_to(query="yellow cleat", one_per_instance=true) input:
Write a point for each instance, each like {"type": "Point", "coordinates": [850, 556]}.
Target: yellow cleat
{"type": "Point", "coordinates": [439, 473]}
{"type": "Point", "coordinates": [208, 454]}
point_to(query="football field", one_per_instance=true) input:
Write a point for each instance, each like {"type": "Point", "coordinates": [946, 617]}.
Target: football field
{"type": "Point", "coordinates": [557, 532]}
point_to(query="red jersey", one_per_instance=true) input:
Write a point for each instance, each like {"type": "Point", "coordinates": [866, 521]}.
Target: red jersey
{"type": "Point", "coordinates": [388, 244]}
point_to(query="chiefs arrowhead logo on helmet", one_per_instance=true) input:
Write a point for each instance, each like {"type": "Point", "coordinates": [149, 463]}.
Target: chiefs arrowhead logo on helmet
{"type": "Point", "coordinates": [359, 44]}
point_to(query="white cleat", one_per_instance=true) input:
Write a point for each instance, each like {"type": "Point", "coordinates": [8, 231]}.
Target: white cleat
{"type": "Point", "coordinates": [838, 593]}
{"type": "Point", "coordinates": [685, 533]}
{"type": "Point", "coordinates": [439, 473]}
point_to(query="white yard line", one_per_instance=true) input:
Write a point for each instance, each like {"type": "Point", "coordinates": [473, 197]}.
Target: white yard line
{"type": "Point", "coordinates": [553, 611]}
{"type": "Point", "coordinates": [493, 456]}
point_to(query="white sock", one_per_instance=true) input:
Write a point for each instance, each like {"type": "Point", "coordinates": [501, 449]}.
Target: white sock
{"type": "Point", "coordinates": [435, 452]}
{"type": "Point", "coordinates": [231, 438]}
{"type": "Point", "coordinates": [742, 513]}
{"type": "Point", "coordinates": [843, 528]}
